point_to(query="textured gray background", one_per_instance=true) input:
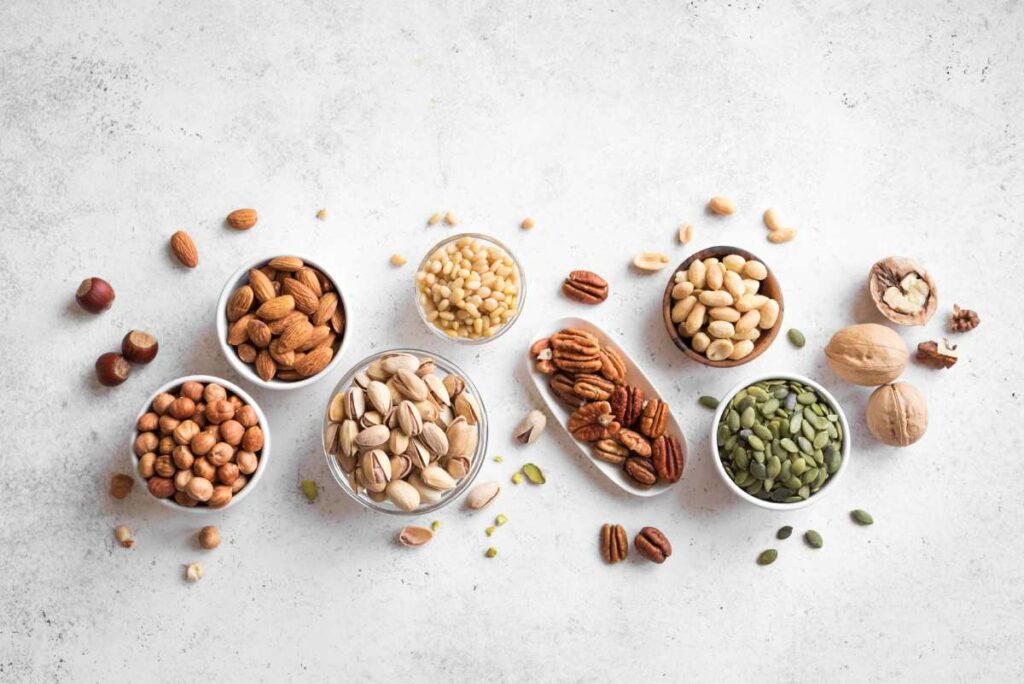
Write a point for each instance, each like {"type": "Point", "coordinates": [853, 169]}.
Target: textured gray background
{"type": "Point", "coordinates": [876, 128]}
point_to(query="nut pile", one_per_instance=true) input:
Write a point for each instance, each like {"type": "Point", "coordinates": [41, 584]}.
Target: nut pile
{"type": "Point", "coordinates": [625, 428]}
{"type": "Point", "coordinates": [402, 433]}
{"type": "Point", "coordinates": [779, 440]}
{"type": "Point", "coordinates": [717, 306]}
{"type": "Point", "coordinates": [469, 288]}
{"type": "Point", "coordinates": [287, 320]}
{"type": "Point", "coordinates": [198, 445]}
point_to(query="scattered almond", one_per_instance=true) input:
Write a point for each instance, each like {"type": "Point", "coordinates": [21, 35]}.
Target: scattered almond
{"type": "Point", "coordinates": [242, 219]}
{"type": "Point", "coordinates": [685, 233]}
{"type": "Point", "coordinates": [781, 235]}
{"type": "Point", "coordinates": [185, 249]}
{"type": "Point", "coordinates": [527, 223]}
{"type": "Point", "coordinates": [449, 218]}
{"type": "Point", "coordinates": [650, 261]}
{"type": "Point", "coordinates": [721, 205]}
{"type": "Point", "coordinates": [434, 219]}
{"type": "Point", "coordinates": [771, 221]}
{"type": "Point", "coordinates": [397, 260]}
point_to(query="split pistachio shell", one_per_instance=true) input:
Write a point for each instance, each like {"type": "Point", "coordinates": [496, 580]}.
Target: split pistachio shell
{"type": "Point", "coordinates": [398, 442]}
{"type": "Point", "coordinates": [467, 407]}
{"type": "Point", "coordinates": [438, 392]}
{"type": "Point", "coordinates": [428, 495]}
{"type": "Point", "coordinates": [413, 535]}
{"type": "Point", "coordinates": [373, 436]}
{"type": "Point", "coordinates": [347, 438]}
{"type": "Point", "coordinates": [417, 453]}
{"type": "Point", "coordinates": [530, 427]}
{"type": "Point", "coordinates": [355, 403]}
{"type": "Point", "coordinates": [462, 438]}
{"type": "Point", "coordinates": [458, 468]}
{"type": "Point", "coordinates": [483, 495]}
{"type": "Point", "coordinates": [376, 470]}
{"type": "Point", "coordinates": [391, 364]}
{"type": "Point", "coordinates": [336, 412]}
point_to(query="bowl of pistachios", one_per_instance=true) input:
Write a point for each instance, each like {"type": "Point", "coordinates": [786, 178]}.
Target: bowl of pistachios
{"type": "Point", "coordinates": [780, 441]}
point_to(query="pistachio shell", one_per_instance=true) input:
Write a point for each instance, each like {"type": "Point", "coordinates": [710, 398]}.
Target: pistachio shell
{"type": "Point", "coordinates": [347, 438]}
{"type": "Point", "coordinates": [467, 406]}
{"type": "Point", "coordinates": [462, 439]}
{"type": "Point", "coordinates": [336, 411]}
{"type": "Point", "coordinates": [483, 495]}
{"type": "Point", "coordinates": [375, 467]}
{"type": "Point", "coordinates": [403, 495]}
{"type": "Point", "coordinates": [398, 442]}
{"type": "Point", "coordinates": [410, 385]}
{"type": "Point", "coordinates": [435, 439]}
{"type": "Point", "coordinates": [419, 454]}
{"type": "Point", "coordinates": [373, 436]}
{"type": "Point", "coordinates": [428, 495]}
{"type": "Point", "coordinates": [355, 403]}
{"type": "Point", "coordinates": [437, 477]}
{"type": "Point", "coordinates": [409, 419]}
{"type": "Point", "coordinates": [396, 362]}
{"type": "Point", "coordinates": [380, 397]}
{"type": "Point", "coordinates": [437, 390]}
{"type": "Point", "coordinates": [458, 468]}
{"type": "Point", "coordinates": [413, 535]}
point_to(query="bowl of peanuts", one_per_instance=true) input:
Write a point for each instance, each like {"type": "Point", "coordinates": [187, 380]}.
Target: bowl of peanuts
{"type": "Point", "coordinates": [722, 307]}
{"type": "Point", "coordinates": [469, 288]}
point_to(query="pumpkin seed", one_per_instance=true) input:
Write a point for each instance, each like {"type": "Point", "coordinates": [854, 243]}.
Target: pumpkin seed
{"type": "Point", "coordinates": [813, 539]}
{"type": "Point", "coordinates": [310, 489]}
{"type": "Point", "coordinates": [767, 557]}
{"type": "Point", "coordinates": [708, 402]}
{"type": "Point", "coordinates": [796, 337]}
{"type": "Point", "coordinates": [784, 532]}
{"type": "Point", "coordinates": [533, 474]}
{"type": "Point", "coordinates": [862, 517]}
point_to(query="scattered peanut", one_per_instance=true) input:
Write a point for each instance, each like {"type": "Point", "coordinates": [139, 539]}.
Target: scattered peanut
{"type": "Point", "coordinates": [781, 235]}
{"type": "Point", "coordinates": [771, 221]}
{"type": "Point", "coordinates": [398, 260]}
{"type": "Point", "coordinates": [527, 223]}
{"type": "Point", "coordinates": [722, 206]}
{"type": "Point", "coordinates": [685, 233]}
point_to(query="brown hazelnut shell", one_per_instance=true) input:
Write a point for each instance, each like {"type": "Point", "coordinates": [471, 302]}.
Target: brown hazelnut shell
{"type": "Point", "coordinates": [890, 271]}
{"type": "Point", "coordinates": [897, 414]}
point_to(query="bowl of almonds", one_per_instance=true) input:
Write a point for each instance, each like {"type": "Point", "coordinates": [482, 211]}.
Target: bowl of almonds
{"type": "Point", "coordinates": [281, 322]}
{"type": "Point", "coordinates": [722, 307]}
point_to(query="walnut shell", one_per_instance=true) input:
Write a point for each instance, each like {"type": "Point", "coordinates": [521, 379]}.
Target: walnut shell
{"type": "Point", "coordinates": [867, 354]}
{"type": "Point", "coordinates": [903, 291]}
{"type": "Point", "coordinates": [897, 414]}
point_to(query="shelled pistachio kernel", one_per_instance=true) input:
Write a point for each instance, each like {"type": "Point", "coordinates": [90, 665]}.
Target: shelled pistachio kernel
{"type": "Point", "coordinates": [491, 552]}
{"type": "Point", "coordinates": [435, 525]}
{"type": "Point", "coordinates": [490, 530]}
{"type": "Point", "coordinates": [468, 288]}
{"type": "Point", "coordinates": [517, 477]}
{"type": "Point", "coordinates": [500, 520]}
{"type": "Point", "coordinates": [780, 441]}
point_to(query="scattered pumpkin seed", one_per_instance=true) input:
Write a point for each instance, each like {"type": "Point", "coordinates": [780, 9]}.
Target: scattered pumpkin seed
{"type": "Point", "coordinates": [813, 539]}
{"type": "Point", "coordinates": [310, 489]}
{"type": "Point", "coordinates": [796, 337]}
{"type": "Point", "coordinates": [489, 531]}
{"type": "Point", "coordinates": [862, 517]}
{"type": "Point", "coordinates": [491, 552]}
{"type": "Point", "coordinates": [708, 402]}
{"type": "Point", "coordinates": [533, 474]}
{"type": "Point", "coordinates": [767, 557]}
{"type": "Point", "coordinates": [784, 532]}
{"type": "Point", "coordinates": [500, 520]}
{"type": "Point", "coordinates": [434, 525]}
{"type": "Point", "coordinates": [517, 477]}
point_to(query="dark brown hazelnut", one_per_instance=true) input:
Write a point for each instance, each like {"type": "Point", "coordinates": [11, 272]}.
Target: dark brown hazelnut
{"type": "Point", "coordinates": [112, 369]}
{"type": "Point", "coordinates": [139, 347]}
{"type": "Point", "coordinates": [164, 466]}
{"type": "Point", "coordinates": [166, 445]}
{"type": "Point", "coordinates": [95, 295]}
{"type": "Point", "coordinates": [121, 485]}
{"type": "Point", "coordinates": [161, 487]}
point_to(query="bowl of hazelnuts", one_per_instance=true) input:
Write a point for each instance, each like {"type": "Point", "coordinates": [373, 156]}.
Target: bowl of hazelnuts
{"type": "Point", "coordinates": [200, 443]}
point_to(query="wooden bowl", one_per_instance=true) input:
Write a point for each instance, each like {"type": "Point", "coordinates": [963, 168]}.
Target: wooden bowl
{"type": "Point", "coordinates": [769, 287]}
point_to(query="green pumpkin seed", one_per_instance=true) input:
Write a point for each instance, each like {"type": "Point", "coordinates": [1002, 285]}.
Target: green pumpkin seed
{"type": "Point", "coordinates": [862, 517]}
{"type": "Point", "coordinates": [788, 445]}
{"type": "Point", "coordinates": [813, 539]}
{"type": "Point", "coordinates": [794, 483]}
{"type": "Point", "coordinates": [805, 445]}
{"type": "Point", "coordinates": [795, 422]}
{"type": "Point", "coordinates": [784, 532]}
{"type": "Point", "coordinates": [734, 421]}
{"type": "Point", "coordinates": [767, 557]}
{"type": "Point", "coordinates": [533, 474]}
{"type": "Point", "coordinates": [708, 402]}
{"type": "Point", "coordinates": [755, 442]}
{"type": "Point", "coordinates": [310, 490]}
{"type": "Point", "coordinates": [758, 470]}
{"type": "Point", "coordinates": [763, 432]}
{"type": "Point", "coordinates": [807, 398]}
{"type": "Point", "coordinates": [798, 466]}
{"type": "Point", "coordinates": [753, 488]}
{"type": "Point", "coordinates": [757, 393]}
{"type": "Point", "coordinates": [796, 337]}
{"type": "Point", "coordinates": [769, 407]}
{"type": "Point", "coordinates": [820, 440]}
{"type": "Point", "coordinates": [748, 417]}
{"type": "Point", "coordinates": [773, 467]}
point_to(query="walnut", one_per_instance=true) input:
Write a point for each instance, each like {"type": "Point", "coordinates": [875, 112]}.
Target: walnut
{"type": "Point", "coordinates": [936, 354]}
{"type": "Point", "coordinates": [903, 291]}
{"type": "Point", "coordinates": [964, 319]}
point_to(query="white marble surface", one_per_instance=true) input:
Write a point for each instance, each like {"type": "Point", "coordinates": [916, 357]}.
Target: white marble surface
{"type": "Point", "coordinates": [876, 128]}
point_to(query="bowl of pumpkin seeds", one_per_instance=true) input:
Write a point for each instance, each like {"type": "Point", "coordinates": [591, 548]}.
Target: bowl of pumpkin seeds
{"type": "Point", "coordinates": [780, 441]}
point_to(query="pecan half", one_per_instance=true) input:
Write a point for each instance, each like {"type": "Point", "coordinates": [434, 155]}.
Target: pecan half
{"type": "Point", "coordinates": [613, 366]}
{"type": "Point", "coordinates": [562, 384]}
{"type": "Point", "coordinates": [592, 422]}
{"type": "Point", "coordinates": [614, 543]}
{"type": "Point", "coordinates": [593, 387]}
{"type": "Point", "coordinates": [641, 470]}
{"type": "Point", "coordinates": [576, 351]}
{"type": "Point", "coordinates": [627, 404]}
{"type": "Point", "coordinates": [610, 451]}
{"type": "Point", "coordinates": [653, 545]}
{"type": "Point", "coordinates": [669, 458]}
{"type": "Point", "coordinates": [585, 287]}
{"type": "Point", "coordinates": [654, 418]}
{"type": "Point", "coordinates": [634, 442]}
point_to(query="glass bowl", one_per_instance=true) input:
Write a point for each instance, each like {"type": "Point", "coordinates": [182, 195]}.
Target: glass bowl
{"type": "Point", "coordinates": [445, 367]}
{"type": "Point", "coordinates": [420, 297]}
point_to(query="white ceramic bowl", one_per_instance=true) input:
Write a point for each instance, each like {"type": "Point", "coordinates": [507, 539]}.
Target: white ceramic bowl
{"type": "Point", "coordinates": [254, 479]}
{"type": "Point", "coordinates": [247, 371]}
{"type": "Point", "coordinates": [772, 505]}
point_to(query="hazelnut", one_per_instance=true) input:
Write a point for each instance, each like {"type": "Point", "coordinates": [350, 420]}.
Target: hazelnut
{"type": "Point", "coordinates": [185, 431]}
{"type": "Point", "coordinates": [164, 466]}
{"type": "Point", "coordinates": [247, 416]}
{"type": "Point", "coordinates": [227, 473]}
{"type": "Point", "coordinates": [200, 415]}
{"type": "Point", "coordinates": [209, 537]}
{"type": "Point", "coordinates": [236, 402]}
{"type": "Point", "coordinates": [220, 410]}
{"type": "Point", "coordinates": [161, 487]}
{"type": "Point", "coordinates": [121, 485]}
{"type": "Point", "coordinates": [897, 414]}
{"type": "Point", "coordinates": [199, 488]}
{"type": "Point", "coordinates": [148, 422]}
{"type": "Point", "coordinates": [183, 499]}
{"type": "Point", "coordinates": [204, 469]}
{"type": "Point", "coordinates": [146, 441]}
{"type": "Point", "coordinates": [193, 390]}
{"type": "Point", "coordinates": [246, 461]}
{"type": "Point", "coordinates": [193, 572]}
{"type": "Point", "coordinates": [166, 445]}
{"type": "Point", "coordinates": [124, 536]}
{"type": "Point", "coordinates": [220, 454]}
{"type": "Point", "coordinates": [95, 295]}
{"type": "Point", "coordinates": [112, 369]}
{"type": "Point", "coordinates": [163, 402]}
{"type": "Point", "coordinates": [239, 482]}
{"type": "Point", "coordinates": [252, 440]}
{"type": "Point", "coordinates": [181, 479]}
{"type": "Point", "coordinates": [231, 431]}
{"type": "Point", "coordinates": [213, 392]}
{"type": "Point", "coordinates": [183, 408]}
{"type": "Point", "coordinates": [183, 457]}
{"type": "Point", "coordinates": [139, 347]}
{"type": "Point", "coordinates": [221, 497]}
{"type": "Point", "coordinates": [167, 424]}
{"type": "Point", "coordinates": [203, 442]}
{"type": "Point", "coordinates": [146, 464]}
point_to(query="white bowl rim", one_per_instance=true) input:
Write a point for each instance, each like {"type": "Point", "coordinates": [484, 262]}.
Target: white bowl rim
{"type": "Point", "coordinates": [773, 505]}
{"type": "Point", "coordinates": [244, 369]}
{"type": "Point", "coordinates": [264, 452]}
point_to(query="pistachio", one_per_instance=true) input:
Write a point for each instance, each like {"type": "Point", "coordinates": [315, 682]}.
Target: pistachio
{"type": "Point", "coordinates": [434, 438]}
{"type": "Point", "coordinates": [500, 520]}
{"type": "Point", "coordinates": [533, 474]}
{"type": "Point", "coordinates": [373, 436]}
{"type": "Point", "coordinates": [490, 530]}
{"type": "Point", "coordinates": [347, 438]}
{"type": "Point", "coordinates": [483, 495]}
{"type": "Point", "coordinates": [467, 407]}
{"type": "Point", "coordinates": [458, 468]}
{"type": "Point", "coordinates": [438, 392]}
{"type": "Point", "coordinates": [410, 385]}
{"type": "Point", "coordinates": [491, 552]}
{"type": "Point", "coordinates": [391, 364]}
{"type": "Point", "coordinates": [435, 525]}
{"type": "Point", "coordinates": [376, 470]}
{"type": "Point", "coordinates": [398, 442]}
{"type": "Point", "coordinates": [355, 403]}
{"type": "Point", "coordinates": [403, 495]}
{"type": "Point", "coordinates": [462, 439]}
{"type": "Point", "coordinates": [454, 384]}
{"type": "Point", "coordinates": [438, 478]}
{"type": "Point", "coordinates": [413, 535]}
{"type": "Point", "coordinates": [401, 466]}
{"type": "Point", "coordinates": [530, 427]}
{"type": "Point", "coordinates": [409, 419]}
{"type": "Point", "coordinates": [417, 454]}
{"type": "Point", "coordinates": [428, 495]}
{"type": "Point", "coordinates": [336, 411]}
{"type": "Point", "coordinates": [379, 395]}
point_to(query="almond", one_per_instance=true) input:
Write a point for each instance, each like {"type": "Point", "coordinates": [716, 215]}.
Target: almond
{"type": "Point", "coordinates": [265, 366]}
{"type": "Point", "coordinates": [281, 324]}
{"type": "Point", "coordinates": [286, 263]}
{"type": "Point", "coordinates": [338, 321]}
{"type": "Point", "coordinates": [238, 332]}
{"type": "Point", "coordinates": [305, 300]}
{"type": "Point", "coordinates": [327, 341]}
{"type": "Point", "coordinates": [240, 303]}
{"type": "Point", "coordinates": [276, 308]}
{"type": "Point", "coordinates": [284, 359]}
{"type": "Point", "coordinates": [242, 219]}
{"type": "Point", "coordinates": [316, 336]}
{"type": "Point", "coordinates": [295, 335]}
{"type": "Point", "coordinates": [307, 276]}
{"type": "Point", "coordinates": [325, 282]}
{"type": "Point", "coordinates": [262, 285]}
{"type": "Point", "coordinates": [314, 362]}
{"type": "Point", "coordinates": [326, 308]}
{"type": "Point", "coordinates": [185, 249]}
{"type": "Point", "coordinates": [259, 333]}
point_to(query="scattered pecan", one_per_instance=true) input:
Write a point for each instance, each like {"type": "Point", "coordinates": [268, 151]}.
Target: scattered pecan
{"type": "Point", "coordinates": [585, 287]}
{"type": "Point", "coordinates": [669, 458]}
{"type": "Point", "coordinates": [654, 418]}
{"type": "Point", "coordinates": [614, 543]}
{"type": "Point", "coordinates": [641, 470]}
{"type": "Point", "coordinates": [593, 387]}
{"type": "Point", "coordinates": [635, 442]}
{"type": "Point", "coordinates": [613, 366]}
{"type": "Point", "coordinates": [592, 422]}
{"type": "Point", "coordinates": [610, 451]}
{"type": "Point", "coordinates": [964, 319]}
{"type": "Point", "coordinates": [561, 384]}
{"type": "Point", "coordinates": [653, 545]}
{"type": "Point", "coordinates": [937, 355]}
{"type": "Point", "coordinates": [627, 404]}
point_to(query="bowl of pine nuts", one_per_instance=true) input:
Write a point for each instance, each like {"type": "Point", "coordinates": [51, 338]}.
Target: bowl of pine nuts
{"type": "Point", "coordinates": [469, 288]}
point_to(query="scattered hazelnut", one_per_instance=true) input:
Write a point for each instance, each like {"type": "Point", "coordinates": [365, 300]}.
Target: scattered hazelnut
{"type": "Point", "coordinates": [121, 485]}
{"type": "Point", "coordinates": [124, 536]}
{"type": "Point", "coordinates": [139, 347]}
{"type": "Point", "coordinates": [193, 572]}
{"type": "Point", "coordinates": [209, 537]}
{"type": "Point", "coordinates": [95, 295]}
{"type": "Point", "coordinates": [112, 369]}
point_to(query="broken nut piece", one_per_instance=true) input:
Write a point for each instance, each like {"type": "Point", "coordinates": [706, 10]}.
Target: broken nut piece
{"type": "Point", "coordinates": [964, 319]}
{"type": "Point", "coordinates": [937, 354]}
{"type": "Point", "coordinates": [650, 261]}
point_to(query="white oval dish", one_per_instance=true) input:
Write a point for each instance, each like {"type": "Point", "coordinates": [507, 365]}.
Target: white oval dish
{"type": "Point", "coordinates": [635, 377]}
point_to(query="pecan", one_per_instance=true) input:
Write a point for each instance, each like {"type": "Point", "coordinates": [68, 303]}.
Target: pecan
{"type": "Point", "coordinates": [627, 404]}
{"type": "Point", "coordinates": [592, 387]}
{"type": "Point", "coordinates": [613, 366]}
{"type": "Point", "coordinates": [964, 319]}
{"type": "Point", "coordinates": [540, 345]}
{"type": "Point", "coordinates": [937, 354]}
{"type": "Point", "coordinates": [576, 351]}
{"type": "Point", "coordinates": [614, 543]}
{"type": "Point", "coordinates": [592, 422]}
{"type": "Point", "coordinates": [669, 458]}
{"type": "Point", "coordinates": [610, 451]}
{"type": "Point", "coordinates": [585, 287]}
{"type": "Point", "coordinates": [545, 367]}
{"type": "Point", "coordinates": [653, 545]}
{"type": "Point", "coordinates": [641, 470]}
{"type": "Point", "coordinates": [562, 384]}
{"type": "Point", "coordinates": [634, 442]}
{"type": "Point", "coordinates": [654, 418]}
